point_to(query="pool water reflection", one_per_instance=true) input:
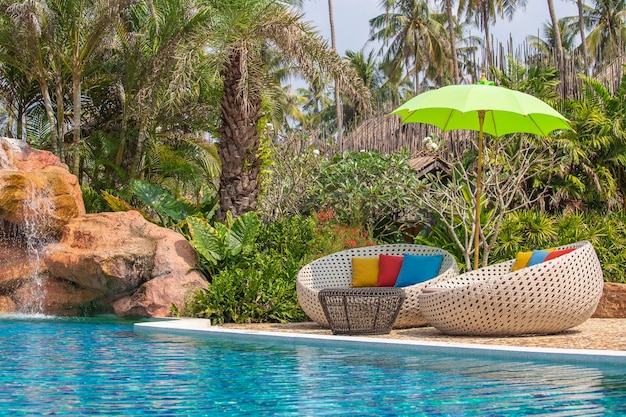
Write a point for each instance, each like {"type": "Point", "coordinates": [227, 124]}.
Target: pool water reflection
{"type": "Point", "coordinates": [101, 367]}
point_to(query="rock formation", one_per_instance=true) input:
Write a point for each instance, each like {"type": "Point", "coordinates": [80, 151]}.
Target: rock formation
{"type": "Point", "coordinates": [56, 259]}
{"type": "Point", "coordinates": [142, 268]}
{"type": "Point", "coordinates": [37, 190]}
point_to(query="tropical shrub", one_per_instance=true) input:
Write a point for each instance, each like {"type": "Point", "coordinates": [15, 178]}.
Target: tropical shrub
{"type": "Point", "coordinates": [369, 190]}
{"type": "Point", "coordinates": [332, 236]}
{"type": "Point", "coordinates": [252, 267]}
{"type": "Point", "coordinates": [533, 229]}
{"type": "Point", "coordinates": [220, 245]}
{"type": "Point", "coordinates": [160, 206]}
{"type": "Point", "coordinates": [288, 181]}
{"type": "Point", "coordinates": [526, 230]}
{"type": "Point", "coordinates": [259, 288]}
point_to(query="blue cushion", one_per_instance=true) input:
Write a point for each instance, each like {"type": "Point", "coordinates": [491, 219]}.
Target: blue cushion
{"type": "Point", "coordinates": [537, 257]}
{"type": "Point", "coordinates": [418, 268]}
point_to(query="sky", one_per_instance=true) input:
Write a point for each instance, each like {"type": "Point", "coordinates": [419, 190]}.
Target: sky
{"type": "Point", "coordinates": [352, 20]}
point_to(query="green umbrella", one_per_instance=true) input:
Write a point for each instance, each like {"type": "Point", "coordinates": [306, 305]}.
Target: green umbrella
{"type": "Point", "coordinates": [484, 108]}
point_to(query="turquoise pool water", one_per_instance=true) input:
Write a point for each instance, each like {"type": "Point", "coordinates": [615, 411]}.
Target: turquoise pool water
{"type": "Point", "coordinates": [75, 367]}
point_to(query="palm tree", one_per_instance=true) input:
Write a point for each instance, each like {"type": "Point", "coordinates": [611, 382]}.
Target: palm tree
{"type": "Point", "coordinates": [559, 57]}
{"type": "Point", "coordinates": [333, 44]}
{"type": "Point", "coordinates": [158, 49]}
{"type": "Point", "coordinates": [412, 38]}
{"type": "Point", "coordinates": [82, 24]}
{"type": "Point", "coordinates": [368, 69]}
{"type": "Point", "coordinates": [606, 20]}
{"type": "Point", "coordinates": [19, 96]}
{"type": "Point", "coordinates": [241, 31]}
{"type": "Point", "coordinates": [581, 29]}
{"type": "Point", "coordinates": [27, 42]}
{"type": "Point", "coordinates": [546, 45]}
{"type": "Point", "coordinates": [484, 12]}
{"type": "Point", "coordinates": [452, 39]}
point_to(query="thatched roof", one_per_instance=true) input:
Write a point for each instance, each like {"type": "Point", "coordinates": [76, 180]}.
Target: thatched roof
{"type": "Point", "coordinates": [426, 162]}
{"type": "Point", "coordinates": [386, 133]}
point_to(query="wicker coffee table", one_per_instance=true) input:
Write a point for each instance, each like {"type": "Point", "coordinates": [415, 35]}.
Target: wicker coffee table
{"type": "Point", "coordinates": [360, 311]}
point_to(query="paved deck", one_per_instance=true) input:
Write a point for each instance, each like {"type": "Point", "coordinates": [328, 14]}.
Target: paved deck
{"type": "Point", "coordinates": [595, 334]}
{"type": "Point", "coordinates": [596, 340]}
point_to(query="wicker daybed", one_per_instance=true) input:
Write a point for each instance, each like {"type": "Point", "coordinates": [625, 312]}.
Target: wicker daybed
{"type": "Point", "coordinates": [335, 271]}
{"type": "Point", "coordinates": [545, 298]}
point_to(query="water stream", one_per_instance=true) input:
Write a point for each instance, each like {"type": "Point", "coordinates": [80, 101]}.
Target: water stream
{"type": "Point", "coordinates": [22, 245]}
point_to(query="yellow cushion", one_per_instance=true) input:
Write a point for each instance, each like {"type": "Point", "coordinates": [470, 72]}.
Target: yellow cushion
{"type": "Point", "coordinates": [521, 260]}
{"type": "Point", "coordinates": [364, 272]}
{"type": "Point", "coordinates": [524, 259]}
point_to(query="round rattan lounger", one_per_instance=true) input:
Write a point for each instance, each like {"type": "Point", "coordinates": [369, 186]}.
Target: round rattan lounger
{"type": "Point", "coordinates": [335, 271]}
{"type": "Point", "coordinates": [546, 298]}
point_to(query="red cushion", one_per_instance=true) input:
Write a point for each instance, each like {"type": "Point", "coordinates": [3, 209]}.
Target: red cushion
{"type": "Point", "coordinates": [557, 253]}
{"type": "Point", "coordinates": [388, 269]}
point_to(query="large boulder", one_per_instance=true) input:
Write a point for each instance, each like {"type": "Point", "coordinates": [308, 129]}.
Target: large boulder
{"type": "Point", "coordinates": [58, 297]}
{"type": "Point", "coordinates": [107, 262]}
{"type": "Point", "coordinates": [142, 268]}
{"type": "Point", "coordinates": [613, 301]}
{"type": "Point", "coordinates": [38, 191]}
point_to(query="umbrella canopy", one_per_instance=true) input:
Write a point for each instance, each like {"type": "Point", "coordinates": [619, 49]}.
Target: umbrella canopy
{"type": "Point", "coordinates": [485, 108]}
{"type": "Point", "coordinates": [456, 107]}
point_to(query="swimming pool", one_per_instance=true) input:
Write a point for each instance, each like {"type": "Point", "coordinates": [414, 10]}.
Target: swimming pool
{"type": "Point", "coordinates": [102, 367]}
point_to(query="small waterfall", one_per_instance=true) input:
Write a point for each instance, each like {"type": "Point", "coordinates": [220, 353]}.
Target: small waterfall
{"type": "Point", "coordinates": [38, 210]}
{"type": "Point", "coordinates": [22, 245]}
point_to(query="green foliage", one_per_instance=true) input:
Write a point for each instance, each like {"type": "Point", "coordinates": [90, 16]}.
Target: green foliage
{"type": "Point", "coordinates": [94, 201]}
{"type": "Point", "coordinates": [291, 236]}
{"type": "Point", "coordinates": [333, 236]}
{"type": "Point", "coordinates": [167, 207]}
{"type": "Point", "coordinates": [530, 229]}
{"type": "Point", "coordinates": [255, 279]}
{"type": "Point", "coordinates": [259, 288]}
{"type": "Point", "coordinates": [220, 244]}
{"type": "Point", "coordinates": [593, 172]}
{"type": "Point", "coordinates": [368, 189]}
{"type": "Point", "coordinates": [527, 230]}
{"type": "Point", "coordinates": [288, 181]}
{"type": "Point", "coordinates": [170, 211]}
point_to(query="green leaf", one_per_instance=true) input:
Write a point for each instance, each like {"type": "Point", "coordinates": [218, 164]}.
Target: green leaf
{"type": "Point", "coordinates": [243, 233]}
{"type": "Point", "coordinates": [207, 240]}
{"type": "Point", "coordinates": [162, 201]}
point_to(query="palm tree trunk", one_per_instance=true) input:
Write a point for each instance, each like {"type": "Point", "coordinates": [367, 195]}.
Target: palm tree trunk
{"type": "Point", "coordinates": [76, 95]}
{"type": "Point", "coordinates": [20, 125]}
{"type": "Point", "coordinates": [239, 144]}
{"type": "Point", "coordinates": [333, 43]}
{"type": "Point", "coordinates": [60, 120]}
{"type": "Point", "coordinates": [485, 20]}
{"type": "Point", "coordinates": [583, 41]}
{"type": "Point", "coordinates": [558, 47]}
{"type": "Point", "coordinates": [137, 171]}
{"type": "Point", "coordinates": [47, 103]}
{"type": "Point", "coordinates": [452, 34]}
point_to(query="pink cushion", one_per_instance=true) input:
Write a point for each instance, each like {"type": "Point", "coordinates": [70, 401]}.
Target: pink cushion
{"type": "Point", "coordinates": [388, 270]}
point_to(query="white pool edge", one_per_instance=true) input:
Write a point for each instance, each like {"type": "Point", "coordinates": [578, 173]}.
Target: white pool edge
{"type": "Point", "coordinates": [204, 328]}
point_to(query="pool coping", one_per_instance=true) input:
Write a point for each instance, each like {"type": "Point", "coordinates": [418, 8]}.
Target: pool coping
{"type": "Point", "coordinates": [204, 328]}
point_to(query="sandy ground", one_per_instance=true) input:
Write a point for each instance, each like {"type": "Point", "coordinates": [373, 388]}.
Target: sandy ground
{"type": "Point", "coordinates": [596, 334]}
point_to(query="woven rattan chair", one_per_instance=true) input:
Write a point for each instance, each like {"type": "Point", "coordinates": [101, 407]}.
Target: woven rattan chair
{"type": "Point", "coordinates": [546, 298]}
{"type": "Point", "coordinates": [335, 271]}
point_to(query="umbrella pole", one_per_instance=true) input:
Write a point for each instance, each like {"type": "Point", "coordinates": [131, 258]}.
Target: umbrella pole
{"type": "Point", "coordinates": [479, 178]}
